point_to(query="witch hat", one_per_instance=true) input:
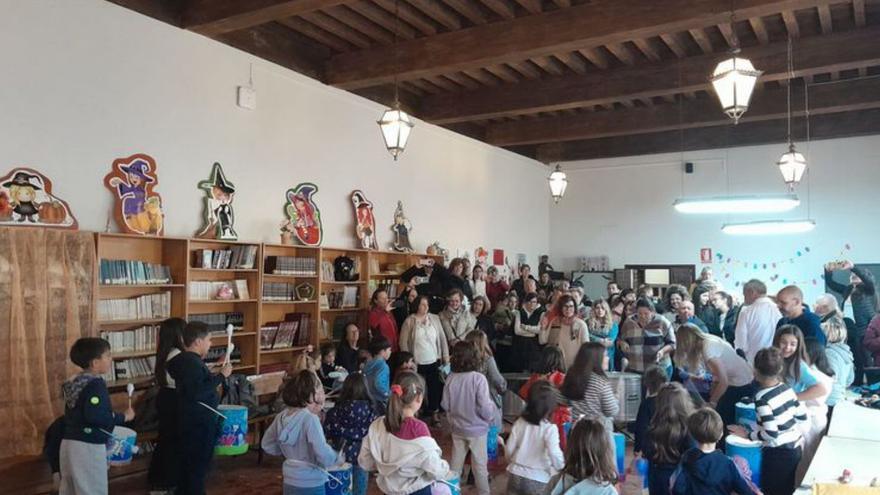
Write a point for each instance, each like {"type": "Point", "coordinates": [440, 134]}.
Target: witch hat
{"type": "Point", "coordinates": [139, 168]}
{"type": "Point", "coordinates": [220, 181]}
{"type": "Point", "coordinates": [22, 179]}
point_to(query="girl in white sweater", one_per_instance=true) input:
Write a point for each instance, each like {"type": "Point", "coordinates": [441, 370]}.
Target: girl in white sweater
{"type": "Point", "coordinates": [533, 447]}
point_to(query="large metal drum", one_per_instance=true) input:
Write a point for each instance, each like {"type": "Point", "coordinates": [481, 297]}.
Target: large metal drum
{"type": "Point", "coordinates": [628, 390]}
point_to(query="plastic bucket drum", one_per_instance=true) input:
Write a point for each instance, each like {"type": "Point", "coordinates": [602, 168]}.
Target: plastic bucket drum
{"type": "Point", "coordinates": [627, 388]}
{"type": "Point", "coordinates": [620, 451]}
{"type": "Point", "coordinates": [746, 416]}
{"type": "Point", "coordinates": [492, 443]}
{"type": "Point", "coordinates": [746, 452]}
{"type": "Point", "coordinates": [233, 435]}
{"type": "Point", "coordinates": [453, 483]}
{"type": "Point", "coordinates": [339, 481]}
{"type": "Point", "coordinates": [121, 446]}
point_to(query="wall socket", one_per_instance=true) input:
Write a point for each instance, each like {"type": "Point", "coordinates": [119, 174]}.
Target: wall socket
{"type": "Point", "coordinates": [247, 97]}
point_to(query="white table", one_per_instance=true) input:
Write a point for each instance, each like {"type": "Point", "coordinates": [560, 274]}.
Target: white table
{"type": "Point", "coordinates": [856, 422]}
{"type": "Point", "coordinates": [861, 457]}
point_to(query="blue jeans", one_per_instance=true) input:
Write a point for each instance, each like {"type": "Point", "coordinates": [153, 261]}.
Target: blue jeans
{"type": "Point", "coordinates": [359, 480]}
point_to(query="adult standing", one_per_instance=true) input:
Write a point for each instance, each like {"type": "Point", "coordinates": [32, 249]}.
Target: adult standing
{"type": "Point", "coordinates": [839, 355]}
{"type": "Point", "coordinates": [526, 328]}
{"type": "Point", "coordinates": [405, 304]}
{"type": "Point", "coordinates": [164, 465]}
{"type": "Point", "coordinates": [458, 279]}
{"type": "Point", "coordinates": [381, 318]}
{"type": "Point", "coordinates": [603, 329]}
{"type": "Point", "coordinates": [646, 339]}
{"type": "Point", "coordinates": [731, 375]}
{"type": "Point", "coordinates": [478, 281]}
{"type": "Point", "coordinates": [562, 328]}
{"type": "Point", "coordinates": [347, 351]}
{"type": "Point", "coordinates": [520, 285]}
{"type": "Point", "coordinates": [757, 320]}
{"type": "Point", "coordinates": [422, 335]}
{"type": "Point", "coordinates": [675, 295]}
{"type": "Point", "coordinates": [496, 288]}
{"type": "Point", "coordinates": [457, 321]}
{"type": "Point", "coordinates": [727, 314]}
{"type": "Point", "coordinates": [862, 293]}
{"type": "Point", "coordinates": [686, 315]}
{"type": "Point", "coordinates": [794, 312]}
{"type": "Point", "coordinates": [480, 310]}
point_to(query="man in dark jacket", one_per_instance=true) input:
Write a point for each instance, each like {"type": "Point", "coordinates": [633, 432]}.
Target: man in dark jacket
{"type": "Point", "coordinates": [434, 281]}
{"type": "Point", "coordinates": [794, 312]}
{"type": "Point", "coordinates": [727, 314]}
{"type": "Point", "coordinates": [862, 293]}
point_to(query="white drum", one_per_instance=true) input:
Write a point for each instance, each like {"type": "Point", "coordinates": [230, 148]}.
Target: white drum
{"type": "Point", "coordinates": [628, 390]}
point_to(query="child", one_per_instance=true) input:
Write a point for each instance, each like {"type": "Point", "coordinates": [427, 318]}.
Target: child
{"type": "Point", "coordinates": [489, 369]}
{"type": "Point", "coordinates": [347, 424]}
{"type": "Point", "coordinates": [653, 379]}
{"type": "Point", "coordinates": [471, 411]}
{"type": "Point", "coordinates": [668, 437]}
{"type": "Point", "coordinates": [778, 413]}
{"type": "Point", "coordinates": [796, 371]}
{"type": "Point", "coordinates": [377, 374]}
{"type": "Point", "coordinates": [164, 463]}
{"type": "Point", "coordinates": [296, 434]}
{"type": "Point", "coordinates": [400, 447]}
{"type": "Point", "coordinates": [401, 362]}
{"type": "Point", "coordinates": [588, 390]}
{"type": "Point", "coordinates": [704, 470]}
{"type": "Point", "coordinates": [551, 368]}
{"type": "Point", "coordinates": [817, 408]}
{"type": "Point", "coordinates": [533, 452]}
{"type": "Point", "coordinates": [88, 420]}
{"type": "Point", "coordinates": [328, 365]}
{"type": "Point", "coordinates": [589, 463]}
{"type": "Point", "coordinates": [197, 401]}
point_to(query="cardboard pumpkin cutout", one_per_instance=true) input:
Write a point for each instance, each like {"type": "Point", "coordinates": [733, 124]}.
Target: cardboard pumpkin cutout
{"type": "Point", "coordinates": [365, 222]}
{"type": "Point", "coordinates": [304, 215]}
{"type": "Point", "coordinates": [26, 200]}
{"type": "Point", "coordinates": [137, 208]}
{"type": "Point", "coordinates": [219, 216]}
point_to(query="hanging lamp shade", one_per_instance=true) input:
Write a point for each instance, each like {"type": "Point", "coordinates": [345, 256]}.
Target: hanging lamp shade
{"type": "Point", "coordinates": [792, 166]}
{"type": "Point", "coordinates": [396, 126]}
{"type": "Point", "coordinates": [734, 80]}
{"type": "Point", "coordinates": [558, 183]}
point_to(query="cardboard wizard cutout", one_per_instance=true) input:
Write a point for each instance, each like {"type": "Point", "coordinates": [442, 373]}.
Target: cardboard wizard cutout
{"type": "Point", "coordinates": [365, 222]}
{"type": "Point", "coordinates": [219, 217]}
{"type": "Point", "coordinates": [304, 214]}
{"type": "Point", "coordinates": [26, 199]}
{"type": "Point", "coordinates": [401, 228]}
{"type": "Point", "coordinates": [137, 209]}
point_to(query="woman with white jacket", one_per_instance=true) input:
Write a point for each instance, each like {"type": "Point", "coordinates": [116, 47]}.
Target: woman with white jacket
{"type": "Point", "coordinates": [422, 336]}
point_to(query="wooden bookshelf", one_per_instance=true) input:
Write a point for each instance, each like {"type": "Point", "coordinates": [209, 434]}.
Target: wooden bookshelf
{"type": "Point", "coordinates": [334, 317]}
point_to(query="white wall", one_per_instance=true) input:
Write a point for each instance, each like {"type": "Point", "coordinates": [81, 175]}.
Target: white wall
{"type": "Point", "coordinates": [623, 208]}
{"type": "Point", "coordinates": [87, 82]}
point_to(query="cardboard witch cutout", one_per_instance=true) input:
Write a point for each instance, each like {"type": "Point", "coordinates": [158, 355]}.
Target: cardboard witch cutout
{"type": "Point", "coordinates": [401, 228]}
{"type": "Point", "coordinates": [26, 199]}
{"type": "Point", "coordinates": [138, 209]}
{"type": "Point", "coordinates": [304, 214]}
{"type": "Point", "coordinates": [365, 222]}
{"type": "Point", "coordinates": [219, 217]}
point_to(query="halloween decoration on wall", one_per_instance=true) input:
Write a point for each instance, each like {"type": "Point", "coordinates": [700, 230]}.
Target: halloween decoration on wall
{"type": "Point", "coordinates": [138, 208]}
{"type": "Point", "coordinates": [365, 227]}
{"type": "Point", "coordinates": [304, 214]}
{"type": "Point", "coordinates": [219, 217]}
{"type": "Point", "coordinates": [26, 199]}
{"type": "Point", "coordinates": [401, 229]}
{"type": "Point", "coordinates": [481, 256]}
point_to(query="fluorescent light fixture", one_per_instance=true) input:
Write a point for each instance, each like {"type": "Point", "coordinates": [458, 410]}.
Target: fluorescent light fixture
{"type": "Point", "coordinates": [769, 203]}
{"type": "Point", "coordinates": [769, 227]}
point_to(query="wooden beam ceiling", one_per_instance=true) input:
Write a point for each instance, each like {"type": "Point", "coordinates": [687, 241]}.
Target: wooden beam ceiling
{"type": "Point", "coordinates": [847, 95]}
{"type": "Point", "coordinates": [814, 55]}
{"type": "Point", "coordinates": [584, 26]}
{"type": "Point", "coordinates": [281, 45]}
{"type": "Point", "coordinates": [835, 125]}
{"type": "Point", "coordinates": [215, 17]}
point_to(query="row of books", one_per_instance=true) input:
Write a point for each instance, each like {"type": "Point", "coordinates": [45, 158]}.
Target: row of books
{"type": "Point", "coordinates": [236, 257]}
{"type": "Point", "coordinates": [390, 285]}
{"type": "Point", "coordinates": [133, 272]}
{"type": "Point", "coordinates": [145, 307]}
{"type": "Point", "coordinates": [127, 369]}
{"type": "Point", "coordinates": [294, 331]}
{"type": "Point", "coordinates": [328, 271]}
{"type": "Point", "coordinates": [207, 290]}
{"type": "Point", "coordinates": [291, 265]}
{"type": "Point", "coordinates": [217, 321]}
{"type": "Point", "coordinates": [137, 340]}
{"type": "Point", "coordinates": [343, 297]}
{"type": "Point", "coordinates": [279, 291]}
{"type": "Point", "coordinates": [218, 355]}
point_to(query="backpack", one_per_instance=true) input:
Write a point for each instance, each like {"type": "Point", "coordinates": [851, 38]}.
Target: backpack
{"type": "Point", "coordinates": [239, 391]}
{"type": "Point", "coordinates": [52, 444]}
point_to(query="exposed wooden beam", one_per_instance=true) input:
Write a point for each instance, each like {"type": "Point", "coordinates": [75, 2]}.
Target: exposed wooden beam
{"type": "Point", "coordinates": [483, 76]}
{"type": "Point", "coordinates": [729, 32]}
{"type": "Point", "coordinates": [532, 6]}
{"type": "Point", "coordinates": [214, 17]}
{"type": "Point", "coordinates": [501, 7]}
{"type": "Point", "coordinates": [359, 23]}
{"type": "Point", "coordinates": [283, 46]}
{"type": "Point", "coordinates": [702, 39]}
{"type": "Point", "coordinates": [168, 11]}
{"type": "Point", "coordinates": [584, 26]}
{"type": "Point", "coordinates": [574, 62]}
{"type": "Point", "coordinates": [791, 24]}
{"type": "Point", "coordinates": [437, 11]}
{"type": "Point", "coordinates": [817, 54]}
{"type": "Point", "coordinates": [338, 28]}
{"type": "Point", "coordinates": [550, 65]}
{"type": "Point", "coordinates": [836, 125]}
{"type": "Point", "coordinates": [622, 53]}
{"type": "Point", "coordinates": [463, 80]}
{"type": "Point", "coordinates": [562, 4]}
{"type": "Point", "coordinates": [760, 30]}
{"type": "Point", "coordinates": [469, 9]}
{"type": "Point", "coordinates": [855, 94]}
{"type": "Point", "coordinates": [825, 19]}
{"type": "Point", "coordinates": [674, 43]}
{"type": "Point", "coordinates": [527, 69]}
{"type": "Point", "coordinates": [384, 95]}
{"type": "Point", "coordinates": [859, 12]}
{"type": "Point", "coordinates": [648, 49]}
{"type": "Point", "coordinates": [504, 73]}
{"type": "Point", "coordinates": [314, 32]}
{"type": "Point", "coordinates": [383, 18]}
{"type": "Point", "coordinates": [409, 14]}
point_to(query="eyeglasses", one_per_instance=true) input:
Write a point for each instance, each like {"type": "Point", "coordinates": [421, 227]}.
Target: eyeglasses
{"type": "Point", "coordinates": [568, 306]}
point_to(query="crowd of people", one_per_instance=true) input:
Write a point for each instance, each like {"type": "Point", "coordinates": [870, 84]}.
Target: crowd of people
{"type": "Point", "coordinates": [439, 351]}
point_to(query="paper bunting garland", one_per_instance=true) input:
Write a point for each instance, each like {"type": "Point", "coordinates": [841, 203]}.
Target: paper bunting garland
{"type": "Point", "coordinates": [726, 266]}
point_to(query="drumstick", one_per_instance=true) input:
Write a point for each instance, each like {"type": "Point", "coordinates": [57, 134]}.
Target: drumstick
{"type": "Point", "coordinates": [316, 467]}
{"type": "Point", "coordinates": [218, 413]}
{"type": "Point", "coordinates": [130, 389]}
{"type": "Point", "coordinates": [229, 346]}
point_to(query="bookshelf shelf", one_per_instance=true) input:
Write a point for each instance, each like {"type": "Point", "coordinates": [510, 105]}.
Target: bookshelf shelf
{"type": "Point", "coordinates": [278, 276]}
{"type": "Point", "coordinates": [282, 351]}
{"type": "Point", "coordinates": [223, 270]}
{"type": "Point", "coordinates": [222, 301]}
{"type": "Point", "coordinates": [140, 286]}
{"type": "Point", "coordinates": [334, 282]}
{"type": "Point", "coordinates": [134, 354]}
{"type": "Point", "coordinates": [288, 302]}
{"type": "Point", "coordinates": [247, 367]}
{"type": "Point", "coordinates": [130, 323]}
{"type": "Point", "coordinates": [140, 382]}
{"type": "Point", "coordinates": [342, 310]}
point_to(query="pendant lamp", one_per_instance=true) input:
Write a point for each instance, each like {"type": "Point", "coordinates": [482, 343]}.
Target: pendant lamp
{"type": "Point", "coordinates": [558, 183]}
{"type": "Point", "coordinates": [792, 164]}
{"type": "Point", "coordinates": [734, 79]}
{"type": "Point", "coordinates": [396, 125]}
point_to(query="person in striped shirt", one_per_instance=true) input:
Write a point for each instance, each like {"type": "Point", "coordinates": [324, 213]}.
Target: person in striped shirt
{"type": "Point", "coordinates": [778, 414]}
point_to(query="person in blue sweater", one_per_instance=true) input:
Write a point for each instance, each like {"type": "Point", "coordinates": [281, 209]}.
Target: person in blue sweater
{"type": "Point", "coordinates": [703, 469]}
{"type": "Point", "coordinates": [378, 375]}
{"type": "Point", "coordinates": [197, 398]}
{"type": "Point", "coordinates": [347, 424]}
{"type": "Point", "coordinates": [296, 434]}
{"type": "Point", "coordinates": [794, 312]}
{"type": "Point", "coordinates": [653, 379]}
{"type": "Point", "coordinates": [88, 420]}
